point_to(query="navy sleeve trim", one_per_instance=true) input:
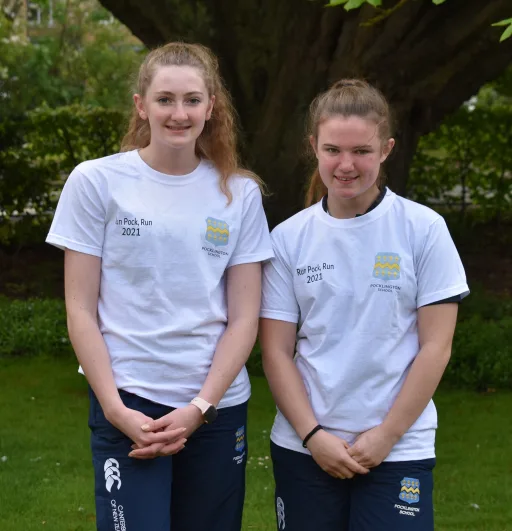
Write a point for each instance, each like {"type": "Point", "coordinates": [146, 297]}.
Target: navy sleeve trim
{"type": "Point", "coordinates": [455, 298]}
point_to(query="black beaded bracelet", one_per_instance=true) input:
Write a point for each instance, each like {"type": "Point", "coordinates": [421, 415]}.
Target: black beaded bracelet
{"type": "Point", "coordinates": [310, 434]}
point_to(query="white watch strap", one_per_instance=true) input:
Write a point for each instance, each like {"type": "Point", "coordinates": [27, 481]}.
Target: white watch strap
{"type": "Point", "coordinates": [200, 403]}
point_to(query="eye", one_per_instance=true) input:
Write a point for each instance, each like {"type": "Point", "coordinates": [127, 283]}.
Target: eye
{"type": "Point", "coordinates": [332, 150]}
{"type": "Point", "coordinates": [362, 151]}
{"type": "Point", "coordinates": [194, 101]}
{"type": "Point", "coordinates": [163, 100]}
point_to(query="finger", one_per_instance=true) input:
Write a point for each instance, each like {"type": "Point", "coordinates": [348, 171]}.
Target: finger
{"type": "Point", "coordinates": [354, 466]}
{"type": "Point", "coordinates": [332, 473]}
{"type": "Point", "coordinates": [149, 451]}
{"type": "Point", "coordinates": [345, 473]}
{"type": "Point", "coordinates": [175, 434]}
{"type": "Point", "coordinates": [164, 437]}
{"type": "Point", "coordinates": [156, 425]}
{"type": "Point", "coordinates": [351, 451]}
{"type": "Point", "coordinates": [174, 448]}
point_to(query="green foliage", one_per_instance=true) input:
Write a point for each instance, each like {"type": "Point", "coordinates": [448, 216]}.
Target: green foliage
{"type": "Point", "coordinates": [81, 59]}
{"type": "Point", "coordinates": [254, 365]}
{"type": "Point", "coordinates": [33, 328]}
{"type": "Point", "coordinates": [482, 354]}
{"type": "Point", "coordinates": [508, 31]}
{"type": "Point", "coordinates": [355, 4]}
{"type": "Point", "coordinates": [46, 144]}
{"type": "Point", "coordinates": [482, 346]}
{"type": "Point", "coordinates": [481, 359]}
{"type": "Point", "coordinates": [63, 92]}
{"type": "Point", "coordinates": [467, 160]}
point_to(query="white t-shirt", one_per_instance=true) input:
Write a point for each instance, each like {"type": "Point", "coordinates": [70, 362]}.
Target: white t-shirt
{"type": "Point", "coordinates": [165, 243]}
{"type": "Point", "coordinates": [354, 287]}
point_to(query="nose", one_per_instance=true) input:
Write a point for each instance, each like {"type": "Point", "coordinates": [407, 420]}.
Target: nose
{"type": "Point", "coordinates": [346, 162]}
{"type": "Point", "coordinates": [179, 113]}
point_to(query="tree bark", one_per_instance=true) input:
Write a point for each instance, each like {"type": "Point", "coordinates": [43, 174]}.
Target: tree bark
{"type": "Point", "coordinates": [276, 55]}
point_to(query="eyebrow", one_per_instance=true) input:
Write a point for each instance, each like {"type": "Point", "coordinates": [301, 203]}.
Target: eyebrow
{"type": "Point", "coordinates": [367, 146]}
{"type": "Point", "coordinates": [168, 92]}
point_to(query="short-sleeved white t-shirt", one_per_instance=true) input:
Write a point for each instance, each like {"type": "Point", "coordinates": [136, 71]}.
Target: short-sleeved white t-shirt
{"type": "Point", "coordinates": [165, 243]}
{"type": "Point", "coordinates": [353, 286]}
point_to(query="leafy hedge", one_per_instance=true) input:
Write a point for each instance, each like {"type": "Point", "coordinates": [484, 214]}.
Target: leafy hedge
{"type": "Point", "coordinates": [33, 327]}
{"type": "Point", "coordinates": [481, 359]}
{"type": "Point", "coordinates": [40, 149]}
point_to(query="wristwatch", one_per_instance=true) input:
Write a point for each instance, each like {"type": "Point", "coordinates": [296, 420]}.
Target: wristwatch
{"type": "Point", "coordinates": [208, 410]}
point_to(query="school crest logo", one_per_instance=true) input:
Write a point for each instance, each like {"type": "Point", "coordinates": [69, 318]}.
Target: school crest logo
{"type": "Point", "coordinates": [410, 491]}
{"type": "Point", "coordinates": [240, 439]}
{"type": "Point", "coordinates": [387, 266]}
{"type": "Point", "coordinates": [217, 231]}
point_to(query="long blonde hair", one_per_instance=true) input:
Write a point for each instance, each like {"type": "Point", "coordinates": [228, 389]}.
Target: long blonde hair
{"type": "Point", "coordinates": [218, 140]}
{"type": "Point", "coordinates": [347, 97]}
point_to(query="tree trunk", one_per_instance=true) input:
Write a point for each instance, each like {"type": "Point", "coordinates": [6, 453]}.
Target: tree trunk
{"type": "Point", "coordinates": [276, 55]}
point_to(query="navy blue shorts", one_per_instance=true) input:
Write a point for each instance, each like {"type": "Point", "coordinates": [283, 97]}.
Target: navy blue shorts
{"type": "Point", "coordinates": [201, 488]}
{"type": "Point", "coordinates": [395, 496]}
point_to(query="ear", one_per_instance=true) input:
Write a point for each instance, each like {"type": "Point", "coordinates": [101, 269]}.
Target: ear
{"type": "Point", "coordinates": [386, 149]}
{"type": "Point", "coordinates": [139, 105]}
{"type": "Point", "coordinates": [210, 108]}
{"type": "Point", "coordinates": [313, 143]}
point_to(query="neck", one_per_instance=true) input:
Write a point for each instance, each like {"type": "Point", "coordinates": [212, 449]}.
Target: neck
{"type": "Point", "coordinates": [170, 161]}
{"type": "Point", "coordinates": [346, 208]}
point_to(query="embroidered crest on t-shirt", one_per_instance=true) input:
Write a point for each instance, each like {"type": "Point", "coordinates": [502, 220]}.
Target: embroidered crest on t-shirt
{"type": "Point", "coordinates": [387, 266]}
{"type": "Point", "coordinates": [217, 231]}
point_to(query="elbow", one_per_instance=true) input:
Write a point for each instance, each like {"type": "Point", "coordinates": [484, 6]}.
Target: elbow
{"type": "Point", "coordinates": [446, 355]}
{"type": "Point", "coordinates": [439, 354]}
{"type": "Point", "coordinates": [243, 327]}
{"type": "Point", "coordinates": [79, 321]}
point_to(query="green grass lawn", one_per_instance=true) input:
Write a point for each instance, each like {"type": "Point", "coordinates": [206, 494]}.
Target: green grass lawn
{"type": "Point", "coordinates": [46, 476]}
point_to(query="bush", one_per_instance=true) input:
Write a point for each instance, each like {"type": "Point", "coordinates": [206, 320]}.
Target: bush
{"type": "Point", "coordinates": [33, 327]}
{"type": "Point", "coordinates": [481, 359]}
{"type": "Point", "coordinates": [482, 354]}
{"type": "Point", "coordinates": [254, 365]}
{"type": "Point", "coordinates": [487, 306]}
{"type": "Point", "coordinates": [40, 150]}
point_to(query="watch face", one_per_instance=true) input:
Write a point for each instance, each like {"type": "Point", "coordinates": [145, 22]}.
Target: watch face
{"type": "Point", "coordinates": [210, 415]}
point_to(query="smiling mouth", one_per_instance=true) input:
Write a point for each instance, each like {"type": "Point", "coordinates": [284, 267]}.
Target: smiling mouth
{"type": "Point", "coordinates": [345, 179]}
{"type": "Point", "coordinates": [177, 129]}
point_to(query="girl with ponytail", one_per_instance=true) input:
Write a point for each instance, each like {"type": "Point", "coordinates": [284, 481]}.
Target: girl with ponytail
{"type": "Point", "coordinates": [163, 245]}
{"type": "Point", "coordinates": [358, 314]}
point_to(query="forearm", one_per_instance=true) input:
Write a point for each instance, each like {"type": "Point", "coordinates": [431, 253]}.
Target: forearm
{"type": "Point", "coordinates": [418, 389]}
{"type": "Point", "coordinates": [289, 392]}
{"type": "Point", "coordinates": [231, 354]}
{"type": "Point", "coordinates": [92, 354]}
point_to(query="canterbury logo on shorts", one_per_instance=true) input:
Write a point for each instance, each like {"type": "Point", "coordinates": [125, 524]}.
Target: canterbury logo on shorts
{"type": "Point", "coordinates": [281, 524]}
{"type": "Point", "coordinates": [112, 474]}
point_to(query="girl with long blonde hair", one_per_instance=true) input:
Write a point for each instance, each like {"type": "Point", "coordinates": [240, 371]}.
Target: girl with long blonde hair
{"type": "Point", "coordinates": [163, 245]}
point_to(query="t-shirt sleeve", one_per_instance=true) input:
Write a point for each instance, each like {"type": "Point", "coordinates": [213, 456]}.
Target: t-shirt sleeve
{"type": "Point", "coordinates": [253, 243]}
{"type": "Point", "coordinates": [278, 299]}
{"type": "Point", "coordinates": [439, 271]}
{"type": "Point", "coordinates": [79, 221]}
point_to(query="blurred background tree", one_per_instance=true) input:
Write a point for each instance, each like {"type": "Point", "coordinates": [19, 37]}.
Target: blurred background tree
{"type": "Point", "coordinates": [66, 70]}
{"type": "Point", "coordinates": [65, 85]}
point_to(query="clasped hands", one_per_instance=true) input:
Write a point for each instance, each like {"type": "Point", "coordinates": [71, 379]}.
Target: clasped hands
{"type": "Point", "coordinates": [164, 436]}
{"type": "Point", "coordinates": [341, 460]}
